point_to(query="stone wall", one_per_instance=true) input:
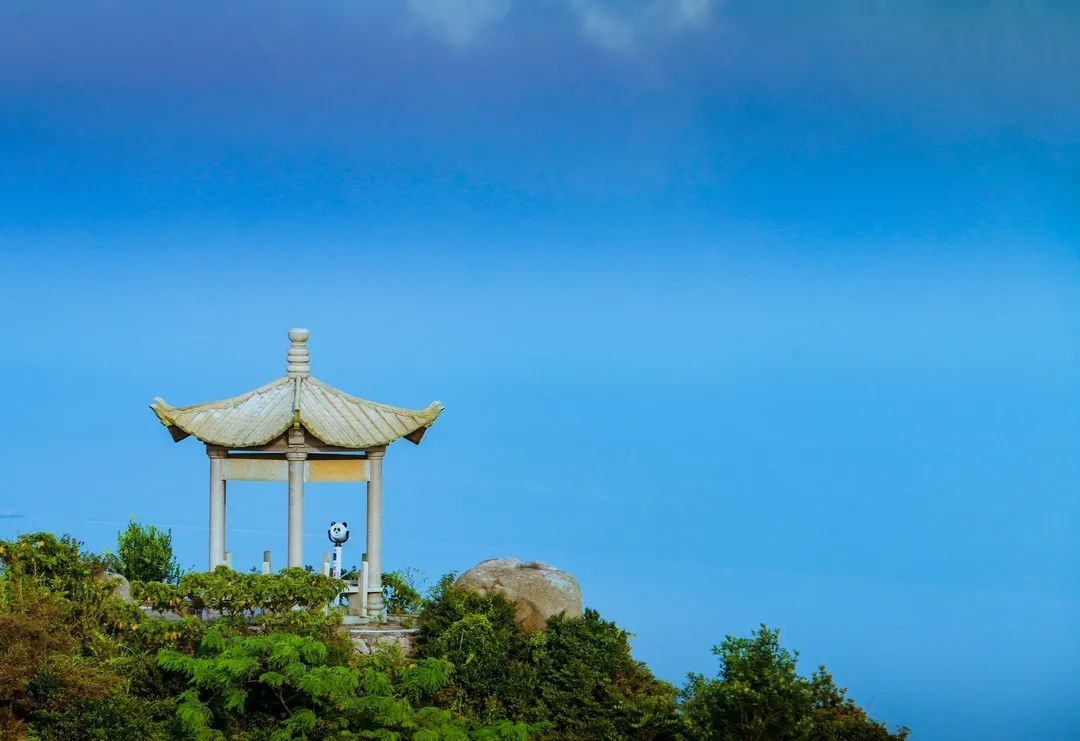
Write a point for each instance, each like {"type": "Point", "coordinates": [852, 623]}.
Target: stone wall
{"type": "Point", "coordinates": [367, 638]}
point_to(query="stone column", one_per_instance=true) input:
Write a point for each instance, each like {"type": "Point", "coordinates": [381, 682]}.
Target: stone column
{"type": "Point", "coordinates": [296, 507]}
{"type": "Point", "coordinates": [374, 530]}
{"type": "Point", "coordinates": [217, 505]}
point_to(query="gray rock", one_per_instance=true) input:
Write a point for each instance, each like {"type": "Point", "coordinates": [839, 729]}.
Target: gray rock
{"type": "Point", "coordinates": [537, 589]}
{"type": "Point", "coordinates": [119, 583]}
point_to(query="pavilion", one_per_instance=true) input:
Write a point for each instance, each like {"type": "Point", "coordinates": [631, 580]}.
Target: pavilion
{"type": "Point", "coordinates": [298, 429]}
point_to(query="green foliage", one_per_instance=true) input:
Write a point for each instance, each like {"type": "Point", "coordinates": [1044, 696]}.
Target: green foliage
{"type": "Point", "coordinates": [57, 564]}
{"type": "Point", "coordinates": [576, 681]}
{"type": "Point", "coordinates": [40, 669]}
{"type": "Point", "coordinates": [437, 593]}
{"type": "Point", "coordinates": [481, 637]}
{"type": "Point", "coordinates": [117, 715]}
{"type": "Point", "coordinates": [78, 663]}
{"type": "Point", "coordinates": [838, 718]}
{"type": "Point", "coordinates": [145, 553]}
{"type": "Point", "coordinates": [281, 686]}
{"type": "Point", "coordinates": [235, 594]}
{"type": "Point", "coordinates": [54, 650]}
{"type": "Point", "coordinates": [585, 665]}
{"type": "Point", "coordinates": [449, 605]}
{"type": "Point", "coordinates": [400, 593]}
{"type": "Point", "coordinates": [760, 695]}
{"type": "Point", "coordinates": [42, 572]}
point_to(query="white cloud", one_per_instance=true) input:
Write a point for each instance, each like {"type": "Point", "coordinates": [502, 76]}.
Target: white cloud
{"type": "Point", "coordinates": [623, 26]}
{"type": "Point", "coordinates": [604, 28]}
{"type": "Point", "coordinates": [459, 21]}
{"type": "Point", "coordinates": [617, 26]}
{"type": "Point", "coordinates": [692, 12]}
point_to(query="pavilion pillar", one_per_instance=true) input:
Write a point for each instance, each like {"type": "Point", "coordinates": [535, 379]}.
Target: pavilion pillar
{"type": "Point", "coordinates": [374, 530]}
{"type": "Point", "coordinates": [296, 507]}
{"type": "Point", "coordinates": [217, 505]}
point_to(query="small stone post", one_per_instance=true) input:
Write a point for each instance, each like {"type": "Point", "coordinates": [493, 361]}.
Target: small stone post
{"type": "Point", "coordinates": [365, 576]}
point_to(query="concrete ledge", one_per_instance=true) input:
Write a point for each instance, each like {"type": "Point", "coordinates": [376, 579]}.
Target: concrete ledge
{"type": "Point", "coordinates": [368, 638]}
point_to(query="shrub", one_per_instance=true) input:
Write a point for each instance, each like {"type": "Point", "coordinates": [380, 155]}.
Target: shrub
{"type": "Point", "coordinates": [41, 571]}
{"type": "Point", "coordinates": [284, 686]}
{"type": "Point", "coordinates": [117, 715]}
{"type": "Point", "coordinates": [591, 687]}
{"type": "Point", "coordinates": [55, 563]}
{"type": "Point", "coordinates": [759, 695]}
{"type": "Point", "coordinates": [235, 594]}
{"type": "Point", "coordinates": [145, 553]}
{"type": "Point", "coordinates": [578, 680]}
{"type": "Point", "coordinates": [400, 593]}
{"type": "Point", "coordinates": [481, 637]}
{"type": "Point", "coordinates": [41, 666]}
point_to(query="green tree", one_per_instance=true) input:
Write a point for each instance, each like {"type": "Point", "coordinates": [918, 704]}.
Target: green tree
{"type": "Point", "coordinates": [284, 686]}
{"type": "Point", "coordinates": [400, 593]}
{"type": "Point", "coordinates": [759, 696]}
{"type": "Point", "coordinates": [61, 666]}
{"type": "Point", "coordinates": [575, 681]}
{"type": "Point", "coordinates": [146, 554]}
{"type": "Point", "coordinates": [591, 687]}
{"type": "Point", "coordinates": [480, 635]}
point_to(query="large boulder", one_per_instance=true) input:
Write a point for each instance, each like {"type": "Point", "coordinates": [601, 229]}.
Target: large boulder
{"type": "Point", "coordinates": [538, 590]}
{"type": "Point", "coordinates": [120, 585]}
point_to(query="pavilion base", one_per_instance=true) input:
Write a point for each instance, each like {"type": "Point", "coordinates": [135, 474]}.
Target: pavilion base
{"type": "Point", "coordinates": [361, 608]}
{"type": "Point", "coordinates": [370, 638]}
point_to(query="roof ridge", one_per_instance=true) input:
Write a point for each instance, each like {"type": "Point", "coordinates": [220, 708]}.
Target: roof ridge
{"type": "Point", "coordinates": [385, 407]}
{"type": "Point", "coordinates": [239, 398]}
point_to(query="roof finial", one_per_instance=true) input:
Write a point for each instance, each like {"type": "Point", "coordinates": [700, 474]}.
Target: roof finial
{"type": "Point", "coordinates": [299, 357]}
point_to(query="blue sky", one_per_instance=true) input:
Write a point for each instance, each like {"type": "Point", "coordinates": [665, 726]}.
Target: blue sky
{"type": "Point", "coordinates": [742, 312]}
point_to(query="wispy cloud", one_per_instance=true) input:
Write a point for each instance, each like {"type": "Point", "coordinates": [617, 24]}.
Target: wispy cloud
{"type": "Point", "coordinates": [614, 26]}
{"type": "Point", "coordinates": [604, 28]}
{"type": "Point", "coordinates": [621, 27]}
{"type": "Point", "coordinates": [458, 21]}
{"type": "Point", "coordinates": [10, 514]}
{"type": "Point", "coordinates": [692, 12]}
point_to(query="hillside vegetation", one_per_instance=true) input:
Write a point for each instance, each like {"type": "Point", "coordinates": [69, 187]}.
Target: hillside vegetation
{"type": "Point", "coordinates": [77, 662]}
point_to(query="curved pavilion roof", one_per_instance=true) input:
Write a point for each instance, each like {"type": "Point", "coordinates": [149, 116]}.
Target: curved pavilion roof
{"type": "Point", "coordinates": [263, 415]}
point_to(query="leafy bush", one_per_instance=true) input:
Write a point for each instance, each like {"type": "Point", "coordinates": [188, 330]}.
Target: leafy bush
{"type": "Point", "coordinates": [278, 685]}
{"type": "Point", "coordinates": [40, 571]}
{"type": "Point", "coordinates": [235, 594]}
{"type": "Point", "coordinates": [53, 650]}
{"type": "Point", "coordinates": [57, 564]}
{"type": "Point", "coordinates": [576, 681]}
{"type": "Point", "coordinates": [117, 715]}
{"type": "Point", "coordinates": [400, 594]}
{"type": "Point", "coordinates": [759, 695]}
{"type": "Point", "coordinates": [146, 554]}
{"type": "Point", "coordinates": [591, 687]}
{"type": "Point", "coordinates": [481, 637]}
{"type": "Point", "coordinates": [39, 670]}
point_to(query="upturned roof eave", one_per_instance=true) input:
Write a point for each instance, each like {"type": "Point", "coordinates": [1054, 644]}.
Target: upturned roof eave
{"type": "Point", "coordinates": [338, 425]}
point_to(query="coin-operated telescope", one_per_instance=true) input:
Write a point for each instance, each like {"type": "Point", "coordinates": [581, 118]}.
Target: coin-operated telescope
{"type": "Point", "coordinates": [338, 534]}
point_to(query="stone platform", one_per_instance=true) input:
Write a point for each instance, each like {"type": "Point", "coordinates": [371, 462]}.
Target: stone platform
{"type": "Point", "coordinates": [394, 632]}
